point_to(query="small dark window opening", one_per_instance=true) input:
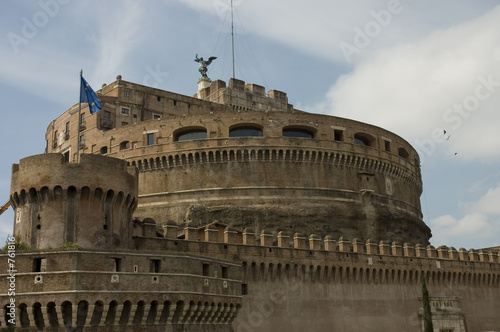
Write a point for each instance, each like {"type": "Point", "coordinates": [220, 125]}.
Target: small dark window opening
{"type": "Point", "coordinates": [206, 270]}
{"type": "Point", "coordinates": [225, 272]}
{"type": "Point", "coordinates": [244, 289]}
{"type": "Point", "coordinates": [158, 98]}
{"type": "Point", "coordinates": [124, 145]}
{"type": "Point", "coordinates": [338, 135]}
{"type": "Point", "coordinates": [39, 264]}
{"type": "Point", "coordinates": [174, 102]}
{"type": "Point", "coordinates": [387, 146]}
{"type": "Point", "coordinates": [154, 266]}
{"type": "Point", "coordinates": [66, 156]}
{"type": "Point", "coordinates": [118, 264]}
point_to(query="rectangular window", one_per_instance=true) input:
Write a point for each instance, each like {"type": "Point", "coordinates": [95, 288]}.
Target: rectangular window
{"type": "Point", "coordinates": [225, 272]}
{"type": "Point", "coordinates": [82, 122]}
{"type": "Point", "coordinates": [151, 139]}
{"type": "Point", "coordinates": [125, 111]}
{"type": "Point", "coordinates": [126, 93]}
{"type": "Point", "coordinates": [156, 116]}
{"type": "Point", "coordinates": [107, 115]}
{"type": "Point", "coordinates": [206, 270]}
{"type": "Point", "coordinates": [338, 135]}
{"type": "Point", "coordinates": [54, 142]}
{"type": "Point", "coordinates": [66, 133]}
{"type": "Point", "coordinates": [387, 146]}
{"type": "Point", "coordinates": [154, 266]}
{"type": "Point", "coordinates": [39, 264]}
{"type": "Point", "coordinates": [117, 264]}
{"type": "Point", "coordinates": [66, 156]}
{"type": "Point", "coordinates": [244, 289]}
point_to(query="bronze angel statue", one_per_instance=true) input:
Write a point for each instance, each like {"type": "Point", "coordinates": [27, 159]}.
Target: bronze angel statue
{"type": "Point", "coordinates": [204, 64]}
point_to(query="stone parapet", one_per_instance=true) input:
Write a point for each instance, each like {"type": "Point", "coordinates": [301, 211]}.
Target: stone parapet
{"type": "Point", "coordinates": [314, 243]}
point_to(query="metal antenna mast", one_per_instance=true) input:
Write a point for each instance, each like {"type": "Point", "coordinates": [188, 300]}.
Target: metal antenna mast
{"type": "Point", "coordinates": [232, 35]}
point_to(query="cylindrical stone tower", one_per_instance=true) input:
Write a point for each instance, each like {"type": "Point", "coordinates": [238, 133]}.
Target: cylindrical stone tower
{"type": "Point", "coordinates": [88, 203]}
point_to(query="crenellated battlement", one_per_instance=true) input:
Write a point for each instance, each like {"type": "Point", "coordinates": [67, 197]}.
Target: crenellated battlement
{"type": "Point", "coordinates": [243, 96]}
{"type": "Point", "coordinates": [215, 233]}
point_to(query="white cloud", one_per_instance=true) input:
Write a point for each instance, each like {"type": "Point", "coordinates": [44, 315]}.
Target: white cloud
{"type": "Point", "coordinates": [478, 227]}
{"type": "Point", "coordinates": [487, 204]}
{"type": "Point", "coordinates": [119, 33]}
{"type": "Point", "coordinates": [412, 89]}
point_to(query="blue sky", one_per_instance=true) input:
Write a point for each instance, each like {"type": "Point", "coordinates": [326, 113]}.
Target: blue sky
{"type": "Point", "coordinates": [417, 68]}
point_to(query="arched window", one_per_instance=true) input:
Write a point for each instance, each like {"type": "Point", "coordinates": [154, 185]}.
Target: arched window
{"type": "Point", "coordinates": [403, 153]}
{"type": "Point", "coordinates": [245, 131]}
{"type": "Point", "coordinates": [298, 132]}
{"type": "Point", "coordinates": [190, 134]}
{"type": "Point", "coordinates": [364, 139]}
{"type": "Point", "coordinates": [124, 145]}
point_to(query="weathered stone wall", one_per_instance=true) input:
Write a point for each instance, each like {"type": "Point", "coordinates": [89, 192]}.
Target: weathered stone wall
{"type": "Point", "coordinates": [89, 203]}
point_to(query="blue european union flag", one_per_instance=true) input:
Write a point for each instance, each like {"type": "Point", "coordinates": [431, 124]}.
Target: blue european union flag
{"type": "Point", "coordinates": [87, 95]}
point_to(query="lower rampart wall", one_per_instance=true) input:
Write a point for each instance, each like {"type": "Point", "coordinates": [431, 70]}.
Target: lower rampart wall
{"type": "Point", "coordinates": [357, 306]}
{"type": "Point", "coordinates": [342, 286]}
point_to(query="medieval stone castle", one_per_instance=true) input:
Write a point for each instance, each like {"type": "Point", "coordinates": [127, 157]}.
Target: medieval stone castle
{"type": "Point", "coordinates": [229, 211]}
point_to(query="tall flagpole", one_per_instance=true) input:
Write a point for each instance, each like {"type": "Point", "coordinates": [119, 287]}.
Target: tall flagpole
{"type": "Point", "coordinates": [79, 116]}
{"type": "Point", "coordinates": [232, 35]}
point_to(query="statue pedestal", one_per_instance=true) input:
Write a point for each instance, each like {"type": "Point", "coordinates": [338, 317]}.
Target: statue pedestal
{"type": "Point", "coordinates": [203, 83]}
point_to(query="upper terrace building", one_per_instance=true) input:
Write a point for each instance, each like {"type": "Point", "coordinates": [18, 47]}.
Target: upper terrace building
{"type": "Point", "coordinates": [249, 159]}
